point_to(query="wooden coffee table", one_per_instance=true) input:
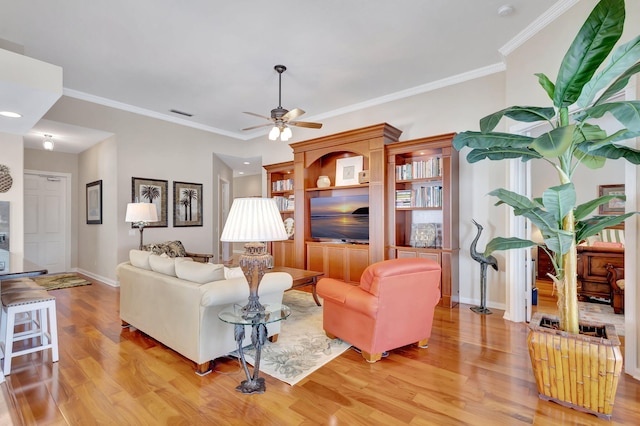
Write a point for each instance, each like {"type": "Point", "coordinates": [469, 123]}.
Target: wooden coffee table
{"type": "Point", "coordinates": [301, 278]}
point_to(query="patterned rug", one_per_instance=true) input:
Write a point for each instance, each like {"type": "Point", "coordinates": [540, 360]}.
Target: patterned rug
{"type": "Point", "coordinates": [601, 313]}
{"type": "Point", "coordinates": [58, 281]}
{"type": "Point", "coordinates": [302, 346]}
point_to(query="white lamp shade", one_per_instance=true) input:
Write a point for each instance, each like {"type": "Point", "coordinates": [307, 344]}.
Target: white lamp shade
{"type": "Point", "coordinates": [141, 212]}
{"type": "Point", "coordinates": [274, 133]}
{"type": "Point", "coordinates": [253, 220]}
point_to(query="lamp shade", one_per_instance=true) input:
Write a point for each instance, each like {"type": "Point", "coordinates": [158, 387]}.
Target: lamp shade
{"type": "Point", "coordinates": [141, 212]}
{"type": "Point", "coordinates": [253, 219]}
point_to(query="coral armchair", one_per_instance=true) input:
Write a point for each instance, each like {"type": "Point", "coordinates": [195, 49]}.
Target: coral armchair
{"type": "Point", "coordinates": [392, 307]}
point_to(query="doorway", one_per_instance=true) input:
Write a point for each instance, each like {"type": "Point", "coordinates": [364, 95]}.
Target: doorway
{"type": "Point", "coordinates": [47, 219]}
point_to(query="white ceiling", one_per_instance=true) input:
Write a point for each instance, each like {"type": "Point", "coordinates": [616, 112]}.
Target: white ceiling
{"type": "Point", "coordinates": [215, 59]}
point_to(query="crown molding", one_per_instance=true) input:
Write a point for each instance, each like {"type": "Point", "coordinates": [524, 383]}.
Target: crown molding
{"type": "Point", "coordinates": [538, 25]}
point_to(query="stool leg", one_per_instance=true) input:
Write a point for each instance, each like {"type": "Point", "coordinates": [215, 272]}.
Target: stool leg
{"type": "Point", "coordinates": [53, 331]}
{"type": "Point", "coordinates": [42, 314]}
{"type": "Point", "coordinates": [8, 341]}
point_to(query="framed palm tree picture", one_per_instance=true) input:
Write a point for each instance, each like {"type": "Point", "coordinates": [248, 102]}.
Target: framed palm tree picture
{"type": "Point", "coordinates": [153, 191]}
{"type": "Point", "coordinates": [187, 204]}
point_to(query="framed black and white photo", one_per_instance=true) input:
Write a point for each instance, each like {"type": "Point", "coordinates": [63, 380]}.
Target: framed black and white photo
{"type": "Point", "coordinates": [94, 203]}
{"type": "Point", "coordinates": [347, 170]}
{"type": "Point", "coordinates": [153, 191]}
{"type": "Point", "coordinates": [187, 204]}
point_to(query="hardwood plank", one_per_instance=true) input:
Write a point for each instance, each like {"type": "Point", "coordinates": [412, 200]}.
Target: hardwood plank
{"type": "Point", "coordinates": [476, 371]}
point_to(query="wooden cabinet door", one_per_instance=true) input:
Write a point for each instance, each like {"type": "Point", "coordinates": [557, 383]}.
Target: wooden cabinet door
{"type": "Point", "coordinates": [358, 260]}
{"type": "Point", "coordinates": [335, 262]}
{"type": "Point", "coordinates": [315, 258]}
{"type": "Point", "coordinates": [282, 252]}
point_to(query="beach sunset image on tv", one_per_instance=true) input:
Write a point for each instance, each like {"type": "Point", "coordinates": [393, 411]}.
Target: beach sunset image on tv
{"type": "Point", "coordinates": [344, 218]}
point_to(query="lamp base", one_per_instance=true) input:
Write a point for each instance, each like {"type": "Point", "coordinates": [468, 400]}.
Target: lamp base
{"type": "Point", "coordinates": [254, 263]}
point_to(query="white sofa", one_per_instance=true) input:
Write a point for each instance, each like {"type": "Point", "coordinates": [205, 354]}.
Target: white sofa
{"type": "Point", "coordinates": [176, 301]}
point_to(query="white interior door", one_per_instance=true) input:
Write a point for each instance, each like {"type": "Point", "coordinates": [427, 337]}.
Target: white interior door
{"type": "Point", "coordinates": [45, 221]}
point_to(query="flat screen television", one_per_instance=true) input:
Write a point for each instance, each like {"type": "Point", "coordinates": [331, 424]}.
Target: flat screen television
{"type": "Point", "coordinates": [342, 218]}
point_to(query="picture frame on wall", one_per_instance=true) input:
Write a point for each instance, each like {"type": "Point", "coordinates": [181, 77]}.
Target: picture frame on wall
{"type": "Point", "coordinates": [94, 203]}
{"type": "Point", "coordinates": [187, 204]}
{"type": "Point", "coordinates": [347, 170]}
{"type": "Point", "coordinates": [614, 206]}
{"type": "Point", "coordinates": [155, 191]}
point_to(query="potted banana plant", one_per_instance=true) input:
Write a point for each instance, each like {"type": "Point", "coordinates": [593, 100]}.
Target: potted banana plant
{"type": "Point", "coordinates": [590, 74]}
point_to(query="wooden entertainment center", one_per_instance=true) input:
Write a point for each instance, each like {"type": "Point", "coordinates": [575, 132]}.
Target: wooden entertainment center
{"type": "Point", "coordinates": [412, 190]}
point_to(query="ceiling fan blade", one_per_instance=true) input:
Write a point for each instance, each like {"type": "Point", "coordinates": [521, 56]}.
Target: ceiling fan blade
{"type": "Point", "coordinates": [293, 114]}
{"type": "Point", "coordinates": [258, 115]}
{"type": "Point", "coordinates": [258, 126]}
{"type": "Point", "coordinates": [305, 124]}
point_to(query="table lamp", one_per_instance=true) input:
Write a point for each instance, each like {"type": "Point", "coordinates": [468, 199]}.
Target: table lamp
{"type": "Point", "coordinates": [141, 214]}
{"type": "Point", "coordinates": [254, 221]}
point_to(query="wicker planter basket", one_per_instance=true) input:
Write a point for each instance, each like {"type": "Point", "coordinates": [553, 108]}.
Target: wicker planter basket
{"type": "Point", "coordinates": [578, 371]}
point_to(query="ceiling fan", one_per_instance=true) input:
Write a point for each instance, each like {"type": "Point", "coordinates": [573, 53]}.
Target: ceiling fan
{"type": "Point", "coordinates": [281, 118]}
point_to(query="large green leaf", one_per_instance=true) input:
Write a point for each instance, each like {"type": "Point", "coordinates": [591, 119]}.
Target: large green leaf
{"type": "Point", "coordinates": [546, 84]}
{"type": "Point", "coordinates": [594, 225]}
{"type": "Point", "coordinates": [501, 243]}
{"type": "Point", "coordinates": [501, 154]}
{"type": "Point", "coordinates": [619, 84]}
{"type": "Point", "coordinates": [585, 209]}
{"type": "Point", "coordinates": [559, 200]}
{"type": "Point", "coordinates": [623, 58]}
{"type": "Point", "coordinates": [527, 114]}
{"type": "Point", "coordinates": [626, 112]}
{"type": "Point", "coordinates": [513, 199]}
{"type": "Point", "coordinates": [613, 152]}
{"type": "Point", "coordinates": [559, 242]}
{"type": "Point", "coordinates": [490, 140]}
{"type": "Point", "coordinates": [554, 143]}
{"type": "Point", "coordinates": [589, 49]}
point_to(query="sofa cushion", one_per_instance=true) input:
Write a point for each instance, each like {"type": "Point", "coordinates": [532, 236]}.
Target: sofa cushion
{"type": "Point", "coordinates": [230, 273]}
{"type": "Point", "coordinates": [170, 248]}
{"type": "Point", "coordinates": [140, 259]}
{"type": "Point", "coordinates": [199, 272]}
{"type": "Point", "coordinates": [162, 264]}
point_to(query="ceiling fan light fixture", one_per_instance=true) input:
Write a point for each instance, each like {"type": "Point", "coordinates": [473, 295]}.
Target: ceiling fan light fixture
{"type": "Point", "coordinates": [47, 143]}
{"type": "Point", "coordinates": [274, 133]}
{"type": "Point", "coordinates": [286, 134]}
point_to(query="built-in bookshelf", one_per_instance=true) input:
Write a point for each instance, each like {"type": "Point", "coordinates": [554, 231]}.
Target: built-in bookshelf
{"type": "Point", "coordinates": [423, 205]}
{"type": "Point", "coordinates": [280, 185]}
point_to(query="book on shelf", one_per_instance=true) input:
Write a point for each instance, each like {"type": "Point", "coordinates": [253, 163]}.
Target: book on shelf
{"type": "Point", "coordinates": [420, 169]}
{"type": "Point", "coordinates": [424, 196]}
{"type": "Point", "coordinates": [282, 185]}
{"type": "Point", "coordinates": [282, 202]}
{"type": "Point", "coordinates": [291, 202]}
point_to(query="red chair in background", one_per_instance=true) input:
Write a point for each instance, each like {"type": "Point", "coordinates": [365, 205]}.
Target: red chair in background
{"type": "Point", "coordinates": [392, 307]}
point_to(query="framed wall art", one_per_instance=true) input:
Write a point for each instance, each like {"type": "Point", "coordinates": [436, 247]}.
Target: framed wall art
{"type": "Point", "coordinates": [614, 206]}
{"type": "Point", "coordinates": [187, 204]}
{"type": "Point", "coordinates": [347, 170]}
{"type": "Point", "coordinates": [94, 203]}
{"type": "Point", "coordinates": [151, 191]}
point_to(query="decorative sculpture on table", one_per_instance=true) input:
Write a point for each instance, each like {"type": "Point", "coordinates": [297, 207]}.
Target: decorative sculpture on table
{"type": "Point", "coordinates": [484, 261]}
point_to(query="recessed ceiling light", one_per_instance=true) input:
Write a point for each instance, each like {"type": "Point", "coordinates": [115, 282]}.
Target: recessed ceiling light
{"type": "Point", "coordinates": [505, 10]}
{"type": "Point", "coordinates": [240, 173]}
{"type": "Point", "coordinates": [246, 163]}
{"type": "Point", "coordinates": [10, 114]}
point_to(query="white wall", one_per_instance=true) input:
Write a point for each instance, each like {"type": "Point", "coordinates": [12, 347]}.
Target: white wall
{"type": "Point", "coordinates": [12, 149]}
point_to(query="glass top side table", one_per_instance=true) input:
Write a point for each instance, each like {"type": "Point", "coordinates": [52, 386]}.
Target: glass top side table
{"type": "Point", "coordinates": [233, 315]}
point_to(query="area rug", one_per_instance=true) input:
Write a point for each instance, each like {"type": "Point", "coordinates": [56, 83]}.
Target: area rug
{"type": "Point", "coordinates": [302, 346]}
{"type": "Point", "coordinates": [58, 281]}
{"type": "Point", "coordinates": [601, 313]}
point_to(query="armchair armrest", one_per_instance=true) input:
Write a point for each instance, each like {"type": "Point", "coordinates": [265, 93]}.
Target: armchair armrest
{"type": "Point", "coordinates": [348, 294]}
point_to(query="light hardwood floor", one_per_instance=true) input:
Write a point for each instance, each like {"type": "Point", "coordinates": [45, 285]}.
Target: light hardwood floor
{"type": "Point", "coordinates": [476, 371]}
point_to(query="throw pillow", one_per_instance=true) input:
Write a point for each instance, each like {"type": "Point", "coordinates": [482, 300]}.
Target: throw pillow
{"type": "Point", "coordinates": [199, 272]}
{"type": "Point", "coordinates": [163, 265]}
{"type": "Point", "coordinates": [140, 259]}
{"type": "Point", "coordinates": [170, 248]}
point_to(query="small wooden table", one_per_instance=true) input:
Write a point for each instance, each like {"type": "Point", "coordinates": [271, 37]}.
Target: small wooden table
{"type": "Point", "coordinates": [301, 278]}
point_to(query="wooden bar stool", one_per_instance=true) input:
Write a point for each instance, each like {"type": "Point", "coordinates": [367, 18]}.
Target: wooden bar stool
{"type": "Point", "coordinates": [42, 328]}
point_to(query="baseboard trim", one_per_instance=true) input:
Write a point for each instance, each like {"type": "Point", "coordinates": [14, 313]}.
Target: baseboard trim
{"type": "Point", "coordinates": [105, 280]}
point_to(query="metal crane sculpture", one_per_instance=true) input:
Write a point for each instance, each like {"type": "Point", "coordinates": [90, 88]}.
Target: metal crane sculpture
{"type": "Point", "coordinates": [484, 261]}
